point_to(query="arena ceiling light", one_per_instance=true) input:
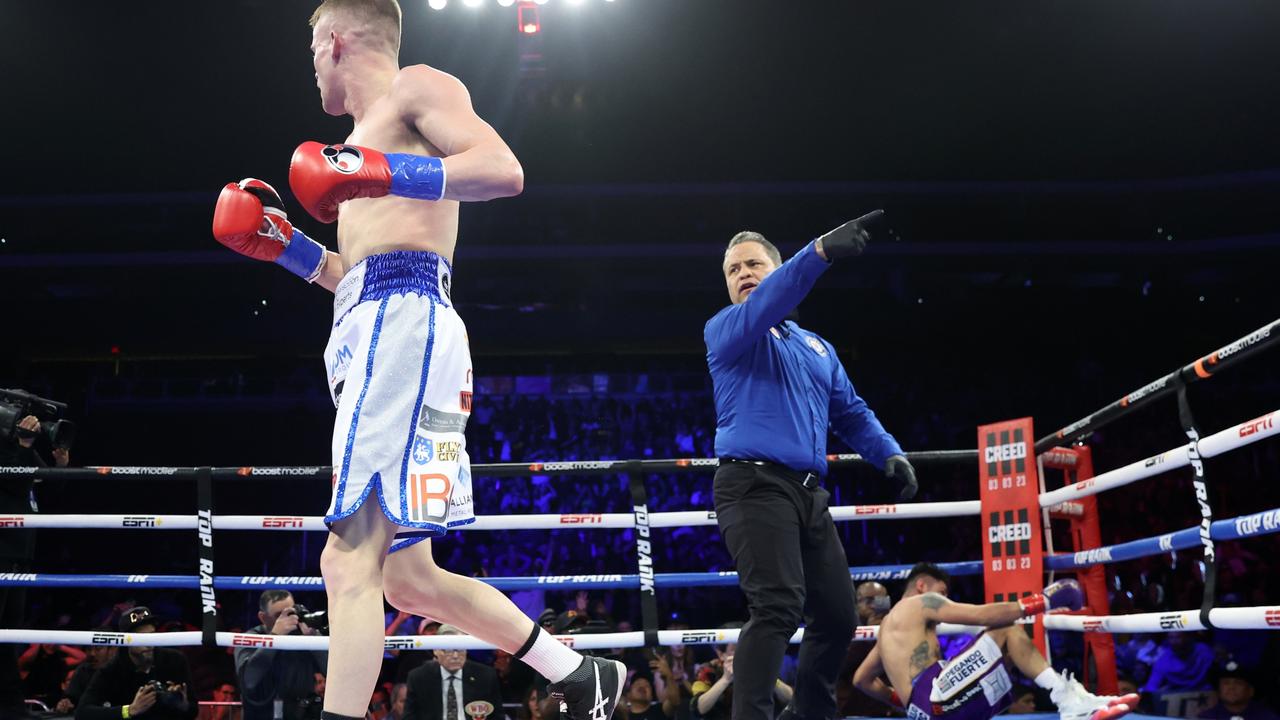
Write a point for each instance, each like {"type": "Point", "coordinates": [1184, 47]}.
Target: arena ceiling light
{"type": "Point", "coordinates": [473, 3]}
{"type": "Point", "coordinates": [437, 4]}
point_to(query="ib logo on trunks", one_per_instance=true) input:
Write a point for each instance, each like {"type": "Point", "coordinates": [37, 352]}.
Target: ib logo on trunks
{"type": "Point", "coordinates": [346, 159]}
{"type": "Point", "coordinates": [423, 449]}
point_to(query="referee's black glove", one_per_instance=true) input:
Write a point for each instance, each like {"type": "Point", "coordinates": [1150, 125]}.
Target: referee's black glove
{"type": "Point", "coordinates": [850, 238]}
{"type": "Point", "coordinates": [897, 468]}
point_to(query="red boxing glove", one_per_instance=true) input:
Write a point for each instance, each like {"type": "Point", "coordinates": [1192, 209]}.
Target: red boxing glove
{"type": "Point", "coordinates": [250, 219]}
{"type": "Point", "coordinates": [240, 223]}
{"type": "Point", "coordinates": [894, 700]}
{"type": "Point", "coordinates": [1061, 595]}
{"type": "Point", "coordinates": [324, 176]}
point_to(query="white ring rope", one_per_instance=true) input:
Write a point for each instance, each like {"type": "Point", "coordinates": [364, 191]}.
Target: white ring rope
{"type": "Point", "coordinates": [1245, 618]}
{"type": "Point", "coordinates": [1237, 436]}
{"type": "Point", "coordinates": [588, 641]}
{"type": "Point", "coordinates": [683, 518]}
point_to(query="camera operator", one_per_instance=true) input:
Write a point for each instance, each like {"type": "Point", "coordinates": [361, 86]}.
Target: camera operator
{"type": "Point", "coordinates": [281, 683]}
{"type": "Point", "coordinates": [142, 682]}
{"type": "Point", "coordinates": [20, 426]}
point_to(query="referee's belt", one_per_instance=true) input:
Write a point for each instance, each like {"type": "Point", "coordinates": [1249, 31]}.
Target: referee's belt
{"type": "Point", "coordinates": [808, 479]}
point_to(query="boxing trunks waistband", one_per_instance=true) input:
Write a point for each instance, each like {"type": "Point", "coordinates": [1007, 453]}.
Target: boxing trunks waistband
{"type": "Point", "coordinates": [399, 272]}
{"type": "Point", "coordinates": [807, 479]}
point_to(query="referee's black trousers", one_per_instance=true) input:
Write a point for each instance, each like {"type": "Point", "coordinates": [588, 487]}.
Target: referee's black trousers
{"type": "Point", "coordinates": [791, 566]}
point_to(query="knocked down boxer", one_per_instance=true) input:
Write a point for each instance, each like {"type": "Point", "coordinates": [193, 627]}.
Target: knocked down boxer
{"type": "Point", "coordinates": [974, 685]}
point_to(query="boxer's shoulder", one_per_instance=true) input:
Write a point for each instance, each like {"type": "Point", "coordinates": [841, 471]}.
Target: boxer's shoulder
{"type": "Point", "coordinates": [415, 84]}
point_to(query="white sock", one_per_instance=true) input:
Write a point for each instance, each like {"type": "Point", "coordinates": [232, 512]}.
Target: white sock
{"type": "Point", "coordinates": [551, 658]}
{"type": "Point", "coordinates": [1049, 680]}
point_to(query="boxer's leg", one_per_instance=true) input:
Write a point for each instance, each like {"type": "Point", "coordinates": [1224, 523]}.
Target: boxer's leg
{"type": "Point", "coordinates": [415, 584]}
{"type": "Point", "coordinates": [352, 565]}
{"type": "Point", "coordinates": [588, 687]}
{"type": "Point", "coordinates": [1017, 646]}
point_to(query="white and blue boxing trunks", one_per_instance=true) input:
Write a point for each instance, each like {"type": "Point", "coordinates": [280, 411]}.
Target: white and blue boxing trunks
{"type": "Point", "coordinates": [400, 375]}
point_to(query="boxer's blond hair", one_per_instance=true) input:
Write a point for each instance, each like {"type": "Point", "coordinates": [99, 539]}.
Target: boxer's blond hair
{"type": "Point", "coordinates": [376, 22]}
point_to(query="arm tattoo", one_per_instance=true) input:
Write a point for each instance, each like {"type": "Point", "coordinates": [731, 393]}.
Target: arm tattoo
{"type": "Point", "coordinates": [921, 658]}
{"type": "Point", "coordinates": [932, 601]}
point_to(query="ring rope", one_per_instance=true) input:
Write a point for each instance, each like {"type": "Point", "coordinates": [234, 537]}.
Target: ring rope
{"type": "Point", "coordinates": [1265, 617]}
{"type": "Point", "coordinates": [599, 581]}
{"type": "Point", "coordinates": [564, 521]}
{"type": "Point", "coordinates": [1236, 436]}
{"type": "Point", "coordinates": [1245, 526]}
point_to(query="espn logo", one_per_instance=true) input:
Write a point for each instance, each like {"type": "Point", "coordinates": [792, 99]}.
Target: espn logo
{"type": "Point", "coordinates": [139, 522]}
{"type": "Point", "coordinates": [875, 509]}
{"type": "Point", "coordinates": [1257, 426]}
{"type": "Point", "coordinates": [1272, 618]}
{"type": "Point", "coordinates": [109, 639]}
{"type": "Point", "coordinates": [581, 519]}
{"type": "Point", "coordinates": [1173, 622]}
{"type": "Point", "coordinates": [12, 522]}
{"type": "Point", "coordinates": [699, 637]}
{"type": "Point", "coordinates": [263, 641]}
{"type": "Point", "coordinates": [282, 522]}
{"type": "Point", "coordinates": [401, 643]}
{"type": "Point", "coordinates": [1091, 626]}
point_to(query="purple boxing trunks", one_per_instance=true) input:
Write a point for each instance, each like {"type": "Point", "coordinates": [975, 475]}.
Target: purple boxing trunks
{"type": "Point", "coordinates": [973, 685]}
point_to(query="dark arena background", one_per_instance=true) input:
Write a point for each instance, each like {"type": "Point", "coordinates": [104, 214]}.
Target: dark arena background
{"type": "Point", "coordinates": [1080, 198]}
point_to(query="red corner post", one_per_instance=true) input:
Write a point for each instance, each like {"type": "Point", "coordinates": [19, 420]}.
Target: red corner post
{"type": "Point", "coordinates": [1013, 549]}
{"type": "Point", "coordinates": [1086, 534]}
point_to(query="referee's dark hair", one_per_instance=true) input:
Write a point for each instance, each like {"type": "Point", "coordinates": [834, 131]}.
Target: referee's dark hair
{"type": "Point", "coordinates": [930, 570]}
{"type": "Point", "coordinates": [747, 236]}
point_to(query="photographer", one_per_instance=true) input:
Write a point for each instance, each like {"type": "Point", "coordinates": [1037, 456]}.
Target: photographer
{"type": "Point", "coordinates": [139, 681]}
{"type": "Point", "coordinates": [281, 683]}
{"type": "Point", "coordinates": [20, 426]}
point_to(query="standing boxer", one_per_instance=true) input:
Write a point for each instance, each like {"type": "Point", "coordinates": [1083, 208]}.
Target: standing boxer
{"type": "Point", "coordinates": [398, 361]}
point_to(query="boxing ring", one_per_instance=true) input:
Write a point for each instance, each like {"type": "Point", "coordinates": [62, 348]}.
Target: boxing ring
{"type": "Point", "coordinates": [1052, 451]}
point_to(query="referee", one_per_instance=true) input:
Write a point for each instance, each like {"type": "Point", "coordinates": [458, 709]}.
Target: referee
{"type": "Point", "coordinates": [777, 389]}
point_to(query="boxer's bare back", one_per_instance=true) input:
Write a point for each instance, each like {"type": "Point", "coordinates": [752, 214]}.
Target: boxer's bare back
{"type": "Point", "coordinates": [907, 643]}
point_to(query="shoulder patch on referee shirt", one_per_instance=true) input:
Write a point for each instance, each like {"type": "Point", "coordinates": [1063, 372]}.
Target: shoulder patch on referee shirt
{"type": "Point", "coordinates": [816, 344]}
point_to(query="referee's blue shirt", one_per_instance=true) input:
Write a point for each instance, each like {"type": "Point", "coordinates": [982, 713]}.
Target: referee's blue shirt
{"type": "Point", "coordinates": [778, 387]}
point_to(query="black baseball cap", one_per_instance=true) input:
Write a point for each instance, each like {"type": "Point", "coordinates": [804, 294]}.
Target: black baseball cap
{"type": "Point", "coordinates": [134, 618]}
{"type": "Point", "coordinates": [1233, 669]}
{"type": "Point", "coordinates": [569, 620]}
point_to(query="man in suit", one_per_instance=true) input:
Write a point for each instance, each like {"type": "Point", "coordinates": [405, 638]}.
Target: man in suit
{"type": "Point", "coordinates": [444, 688]}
